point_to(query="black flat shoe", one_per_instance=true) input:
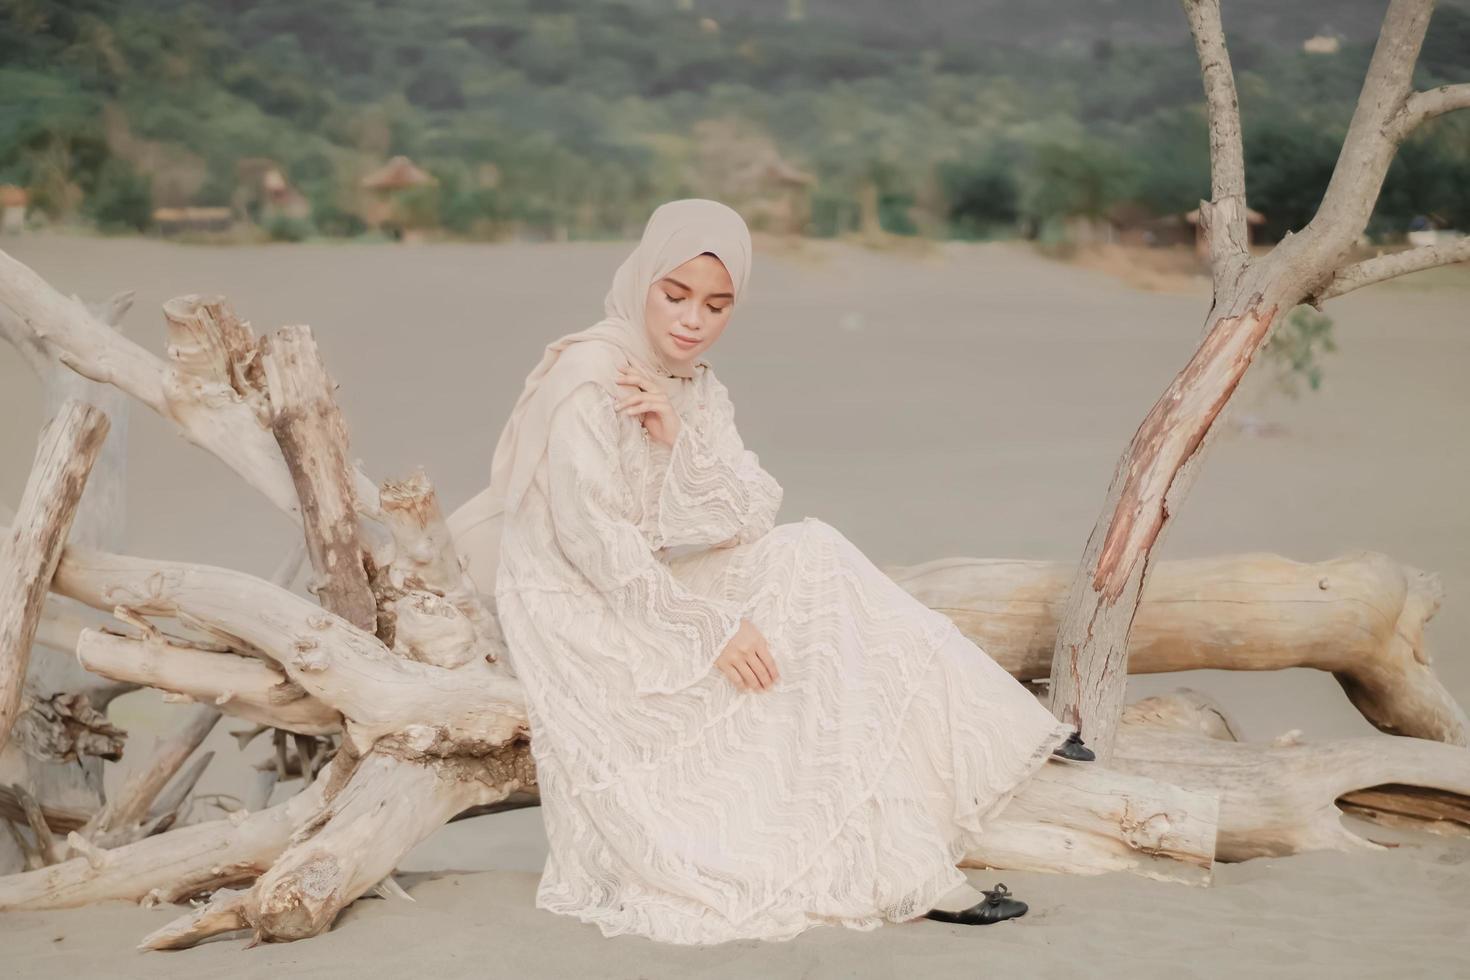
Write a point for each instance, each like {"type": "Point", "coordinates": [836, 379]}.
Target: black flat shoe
{"type": "Point", "coordinates": [1073, 749]}
{"type": "Point", "coordinates": [995, 907]}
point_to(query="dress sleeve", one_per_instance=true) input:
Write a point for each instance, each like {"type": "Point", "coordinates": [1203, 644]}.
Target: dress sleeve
{"type": "Point", "coordinates": [673, 634]}
{"type": "Point", "coordinates": [714, 490]}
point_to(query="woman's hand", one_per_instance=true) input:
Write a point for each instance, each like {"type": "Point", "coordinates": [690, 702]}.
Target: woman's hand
{"type": "Point", "coordinates": [746, 660]}
{"type": "Point", "coordinates": [650, 404]}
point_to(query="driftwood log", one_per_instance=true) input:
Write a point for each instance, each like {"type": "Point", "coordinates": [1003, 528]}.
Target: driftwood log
{"type": "Point", "coordinates": [69, 445]}
{"type": "Point", "coordinates": [1360, 617]}
{"type": "Point", "coordinates": [1287, 795]}
{"type": "Point", "coordinates": [62, 738]}
{"type": "Point", "coordinates": [1252, 294]}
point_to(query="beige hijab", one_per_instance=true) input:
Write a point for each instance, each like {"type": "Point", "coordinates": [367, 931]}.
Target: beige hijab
{"type": "Point", "coordinates": [675, 233]}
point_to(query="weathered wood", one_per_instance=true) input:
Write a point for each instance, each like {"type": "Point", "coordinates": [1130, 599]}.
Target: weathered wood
{"type": "Point", "coordinates": [46, 845]}
{"type": "Point", "coordinates": [30, 856]}
{"type": "Point", "coordinates": [224, 912]}
{"type": "Point", "coordinates": [100, 518]}
{"type": "Point", "coordinates": [1361, 616]}
{"type": "Point", "coordinates": [60, 819]}
{"type": "Point", "coordinates": [168, 867]}
{"type": "Point", "coordinates": [387, 807]}
{"type": "Point", "coordinates": [381, 695]}
{"type": "Point", "coordinates": [244, 687]}
{"type": "Point", "coordinates": [430, 608]}
{"type": "Point", "coordinates": [168, 807]}
{"type": "Point", "coordinates": [313, 438]}
{"type": "Point", "coordinates": [68, 446]}
{"type": "Point", "coordinates": [208, 388]}
{"type": "Point", "coordinates": [1086, 819]}
{"type": "Point", "coordinates": [131, 805]}
{"type": "Point", "coordinates": [1281, 797]}
{"type": "Point", "coordinates": [65, 728]}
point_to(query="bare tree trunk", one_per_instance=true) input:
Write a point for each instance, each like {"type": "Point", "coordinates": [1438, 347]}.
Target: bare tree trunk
{"type": "Point", "coordinates": [1161, 462]}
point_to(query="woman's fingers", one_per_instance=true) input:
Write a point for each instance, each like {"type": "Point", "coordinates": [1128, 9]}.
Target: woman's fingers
{"type": "Point", "coordinates": [733, 676]}
{"type": "Point", "coordinates": [763, 651]}
{"type": "Point", "coordinates": [653, 402]}
{"type": "Point", "coordinates": [761, 670]}
{"type": "Point", "coordinates": [639, 406]}
{"type": "Point", "coordinates": [638, 377]}
{"type": "Point", "coordinates": [747, 674]}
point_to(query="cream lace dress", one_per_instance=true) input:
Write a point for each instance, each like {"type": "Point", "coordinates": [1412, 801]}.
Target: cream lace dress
{"type": "Point", "coordinates": [680, 808]}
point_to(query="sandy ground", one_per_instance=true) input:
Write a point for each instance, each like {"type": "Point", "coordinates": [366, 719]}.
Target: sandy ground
{"type": "Point", "coordinates": [968, 401]}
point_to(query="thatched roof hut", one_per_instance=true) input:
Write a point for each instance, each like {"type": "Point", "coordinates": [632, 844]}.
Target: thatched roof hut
{"type": "Point", "coordinates": [13, 201]}
{"type": "Point", "coordinates": [398, 174]}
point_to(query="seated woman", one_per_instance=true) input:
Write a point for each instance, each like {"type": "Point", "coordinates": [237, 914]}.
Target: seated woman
{"type": "Point", "coordinates": [742, 729]}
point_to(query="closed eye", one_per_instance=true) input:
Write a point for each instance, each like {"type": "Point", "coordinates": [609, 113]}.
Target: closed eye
{"type": "Point", "coordinates": [680, 299]}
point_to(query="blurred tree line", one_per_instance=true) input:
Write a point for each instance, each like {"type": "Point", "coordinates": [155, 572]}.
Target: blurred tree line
{"type": "Point", "coordinates": [587, 113]}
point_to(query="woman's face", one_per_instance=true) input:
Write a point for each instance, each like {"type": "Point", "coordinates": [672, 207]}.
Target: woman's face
{"type": "Point", "coordinates": [694, 303]}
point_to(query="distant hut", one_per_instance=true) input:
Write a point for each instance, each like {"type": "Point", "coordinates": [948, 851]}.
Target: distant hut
{"type": "Point", "coordinates": [13, 201]}
{"type": "Point", "coordinates": [174, 221]}
{"type": "Point", "coordinates": [1134, 223]}
{"type": "Point", "coordinates": [264, 194]}
{"type": "Point", "coordinates": [398, 197]}
{"type": "Point", "coordinates": [281, 199]}
{"type": "Point", "coordinates": [780, 195]}
{"type": "Point", "coordinates": [1253, 219]}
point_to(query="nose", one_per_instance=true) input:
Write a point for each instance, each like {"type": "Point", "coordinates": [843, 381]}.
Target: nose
{"type": "Point", "coordinates": [690, 319]}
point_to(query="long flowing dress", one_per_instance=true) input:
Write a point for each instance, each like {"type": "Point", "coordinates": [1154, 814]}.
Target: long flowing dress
{"type": "Point", "coordinates": [681, 808]}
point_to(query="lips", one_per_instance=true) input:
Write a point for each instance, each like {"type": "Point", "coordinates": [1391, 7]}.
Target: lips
{"type": "Point", "coordinates": [683, 341]}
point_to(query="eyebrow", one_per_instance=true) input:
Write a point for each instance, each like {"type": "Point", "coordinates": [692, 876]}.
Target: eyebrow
{"type": "Point", "coordinates": [682, 286]}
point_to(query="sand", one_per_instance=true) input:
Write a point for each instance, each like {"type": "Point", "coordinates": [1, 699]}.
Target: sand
{"type": "Point", "coordinates": [967, 400]}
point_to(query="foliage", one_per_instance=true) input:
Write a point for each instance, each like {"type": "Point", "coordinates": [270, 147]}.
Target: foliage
{"type": "Point", "coordinates": [1295, 348]}
{"type": "Point", "coordinates": [282, 228]}
{"type": "Point", "coordinates": [590, 110]}
{"type": "Point", "coordinates": [119, 198]}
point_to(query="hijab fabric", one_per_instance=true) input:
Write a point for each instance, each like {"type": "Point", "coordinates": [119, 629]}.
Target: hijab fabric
{"type": "Point", "coordinates": [676, 232]}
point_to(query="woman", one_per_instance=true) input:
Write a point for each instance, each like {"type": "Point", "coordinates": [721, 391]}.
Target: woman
{"type": "Point", "coordinates": [741, 728]}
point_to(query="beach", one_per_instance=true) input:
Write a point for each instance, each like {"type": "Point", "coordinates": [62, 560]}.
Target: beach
{"type": "Point", "coordinates": [966, 399]}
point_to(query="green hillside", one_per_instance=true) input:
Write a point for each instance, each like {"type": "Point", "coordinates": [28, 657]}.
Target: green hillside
{"type": "Point", "coordinates": [574, 117]}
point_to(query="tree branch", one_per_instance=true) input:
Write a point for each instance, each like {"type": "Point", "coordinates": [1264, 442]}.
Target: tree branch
{"type": "Point", "coordinates": [1371, 141]}
{"type": "Point", "coordinates": [1223, 217]}
{"type": "Point", "coordinates": [206, 387]}
{"type": "Point", "coordinates": [1384, 267]}
{"type": "Point", "coordinates": [473, 706]}
{"type": "Point", "coordinates": [1423, 106]}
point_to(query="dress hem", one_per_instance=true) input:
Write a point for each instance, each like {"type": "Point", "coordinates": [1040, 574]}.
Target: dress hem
{"type": "Point", "coordinates": [612, 922]}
